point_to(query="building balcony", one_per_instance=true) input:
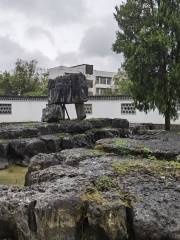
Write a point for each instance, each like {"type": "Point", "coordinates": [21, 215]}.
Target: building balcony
{"type": "Point", "coordinates": [99, 85]}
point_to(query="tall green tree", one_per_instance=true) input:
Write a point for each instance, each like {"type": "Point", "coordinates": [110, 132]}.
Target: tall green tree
{"type": "Point", "coordinates": [24, 80]}
{"type": "Point", "coordinates": [149, 38]}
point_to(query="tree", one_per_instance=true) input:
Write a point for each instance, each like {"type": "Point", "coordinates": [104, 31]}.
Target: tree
{"type": "Point", "coordinates": [42, 86]}
{"type": "Point", "coordinates": [5, 83]}
{"type": "Point", "coordinates": [149, 38]}
{"type": "Point", "coordinates": [24, 80]}
{"type": "Point", "coordinates": [122, 84]}
{"type": "Point", "coordinates": [25, 77]}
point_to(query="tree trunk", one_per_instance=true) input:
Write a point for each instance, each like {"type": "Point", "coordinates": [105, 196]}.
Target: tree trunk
{"type": "Point", "coordinates": [167, 121]}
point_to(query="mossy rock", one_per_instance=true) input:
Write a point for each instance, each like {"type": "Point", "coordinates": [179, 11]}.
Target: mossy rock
{"type": "Point", "coordinates": [151, 165]}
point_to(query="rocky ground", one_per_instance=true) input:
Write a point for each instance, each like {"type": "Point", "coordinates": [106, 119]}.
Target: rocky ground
{"type": "Point", "coordinates": [20, 142]}
{"type": "Point", "coordinates": [121, 189]}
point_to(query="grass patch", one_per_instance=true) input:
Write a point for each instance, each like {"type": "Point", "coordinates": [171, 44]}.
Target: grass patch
{"type": "Point", "coordinates": [14, 175]}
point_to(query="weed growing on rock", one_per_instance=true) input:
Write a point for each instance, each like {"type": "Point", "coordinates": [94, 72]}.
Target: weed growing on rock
{"type": "Point", "coordinates": [152, 158]}
{"type": "Point", "coordinates": [106, 183]}
{"type": "Point", "coordinates": [123, 168]}
{"type": "Point", "coordinates": [122, 146]}
{"type": "Point", "coordinates": [99, 147]}
{"type": "Point", "coordinates": [146, 150]}
{"type": "Point", "coordinates": [121, 142]}
{"type": "Point", "coordinates": [92, 195]}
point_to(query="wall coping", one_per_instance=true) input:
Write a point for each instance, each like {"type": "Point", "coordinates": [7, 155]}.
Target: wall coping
{"type": "Point", "coordinates": [23, 98]}
{"type": "Point", "coordinates": [45, 98]}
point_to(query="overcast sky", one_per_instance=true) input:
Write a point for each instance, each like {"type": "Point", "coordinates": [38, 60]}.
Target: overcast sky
{"type": "Point", "coordinates": [58, 32]}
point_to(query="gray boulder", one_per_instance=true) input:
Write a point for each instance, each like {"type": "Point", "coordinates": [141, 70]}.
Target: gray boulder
{"type": "Point", "coordinates": [120, 123]}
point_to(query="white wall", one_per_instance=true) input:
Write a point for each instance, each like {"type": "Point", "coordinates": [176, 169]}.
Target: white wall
{"type": "Point", "coordinates": [31, 110]}
{"type": "Point", "coordinates": [112, 109]}
{"type": "Point", "coordinates": [23, 111]}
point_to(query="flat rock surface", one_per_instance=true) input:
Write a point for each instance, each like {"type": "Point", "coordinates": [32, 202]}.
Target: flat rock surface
{"type": "Point", "coordinates": [158, 143]}
{"type": "Point", "coordinates": [91, 195]}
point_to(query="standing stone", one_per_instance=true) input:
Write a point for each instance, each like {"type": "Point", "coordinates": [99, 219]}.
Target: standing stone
{"type": "Point", "coordinates": [68, 89]}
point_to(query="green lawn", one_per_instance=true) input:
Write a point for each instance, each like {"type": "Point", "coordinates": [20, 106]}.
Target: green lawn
{"type": "Point", "coordinates": [14, 175]}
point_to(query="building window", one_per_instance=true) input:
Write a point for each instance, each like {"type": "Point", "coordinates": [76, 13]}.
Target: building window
{"type": "Point", "coordinates": [109, 81]}
{"type": "Point", "coordinates": [128, 108]}
{"type": "Point", "coordinates": [102, 80]}
{"type": "Point", "coordinates": [99, 91]}
{"type": "Point", "coordinates": [5, 108]}
{"type": "Point", "coordinates": [103, 91]}
{"type": "Point", "coordinates": [97, 80]}
{"type": "Point", "coordinates": [88, 108]}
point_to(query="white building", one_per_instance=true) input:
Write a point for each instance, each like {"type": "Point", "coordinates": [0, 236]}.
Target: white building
{"type": "Point", "coordinates": [25, 109]}
{"type": "Point", "coordinates": [99, 82]}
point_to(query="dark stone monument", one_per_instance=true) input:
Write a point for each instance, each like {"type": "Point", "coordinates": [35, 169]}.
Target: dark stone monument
{"type": "Point", "coordinates": [68, 89]}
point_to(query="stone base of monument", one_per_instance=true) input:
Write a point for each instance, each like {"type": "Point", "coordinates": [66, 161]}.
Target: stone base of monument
{"type": "Point", "coordinates": [80, 111]}
{"type": "Point", "coordinates": [56, 112]}
{"type": "Point", "coordinates": [53, 113]}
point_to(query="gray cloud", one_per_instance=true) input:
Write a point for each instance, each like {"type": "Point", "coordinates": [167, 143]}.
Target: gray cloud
{"type": "Point", "coordinates": [10, 51]}
{"type": "Point", "coordinates": [37, 32]}
{"type": "Point", "coordinates": [109, 62]}
{"type": "Point", "coordinates": [96, 45]}
{"type": "Point", "coordinates": [98, 40]}
{"type": "Point", "coordinates": [54, 11]}
{"type": "Point", "coordinates": [39, 20]}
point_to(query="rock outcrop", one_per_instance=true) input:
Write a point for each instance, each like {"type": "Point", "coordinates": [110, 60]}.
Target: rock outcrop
{"type": "Point", "coordinates": [88, 194]}
{"type": "Point", "coordinates": [123, 189]}
{"type": "Point", "coordinates": [19, 144]}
